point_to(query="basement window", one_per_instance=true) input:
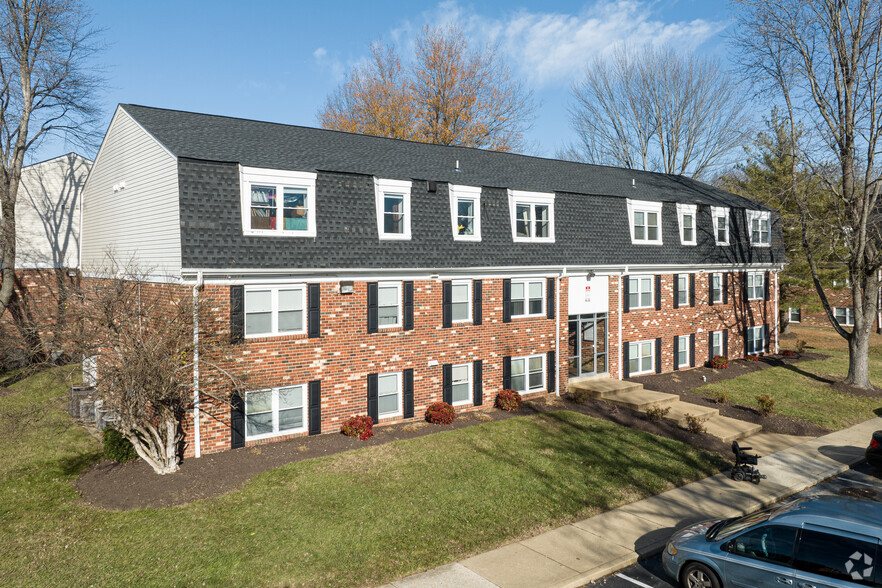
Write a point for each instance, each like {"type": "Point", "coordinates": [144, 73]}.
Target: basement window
{"type": "Point", "coordinates": [274, 411]}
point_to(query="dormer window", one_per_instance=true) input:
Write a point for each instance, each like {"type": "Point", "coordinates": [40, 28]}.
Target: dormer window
{"type": "Point", "coordinates": [277, 202]}
{"type": "Point", "coordinates": [720, 217]}
{"type": "Point", "coordinates": [760, 231]}
{"type": "Point", "coordinates": [393, 209]}
{"type": "Point", "coordinates": [465, 212]}
{"type": "Point", "coordinates": [532, 216]}
{"type": "Point", "coordinates": [645, 221]}
{"type": "Point", "coordinates": [686, 214]}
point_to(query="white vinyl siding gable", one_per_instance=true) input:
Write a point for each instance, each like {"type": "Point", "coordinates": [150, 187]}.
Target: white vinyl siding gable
{"type": "Point", "coordinates": [140, 221]}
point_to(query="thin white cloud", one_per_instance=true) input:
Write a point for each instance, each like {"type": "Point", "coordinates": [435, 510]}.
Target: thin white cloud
{"type": "Point", "coordinates": [320, 53]}
{"type": "Point", "coordinates": [328, 63]}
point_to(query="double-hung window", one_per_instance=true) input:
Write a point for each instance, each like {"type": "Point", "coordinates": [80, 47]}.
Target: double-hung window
{"type": "Point", "coordinates": [532, 216]}
{"type": "Point", "coordinates": [794, 315]}
{"type": "Point", "coordinates": [756, 285]}
{"type": "Point", "coordinates": [527, 297]}
{"type": "Point", "coordinates": [461, 384]}
{"type": "Point", "coordinates": [465, 212]}
{"type": "Point", "coordinates": [640, 356]}
{"type": "Point", "coordinates": [844, 315]}
{"type": "Point", "coordinates": [682, 290]}
{"type": "Point", "coordinates": [758, 223]}
{"type": "Point", "coordinates": [275, 411]}
{"type": "Point", "coordinates": [645, 222]}
{"type": "Point", "coordinates": [528, 373]}
{"type": "Point", "coordinates": [686, 214]}
{"type": "Point", "coordinates": [755, 340]}
{"type": "Point", "coordinates": [277, 202]}
{"type": "Point", "coordinates": [720, 217]}
{"type": "Point", "coordinates": [461, 301]}
{"type": "Point", "coordinates": [716, 293]}
{"type": "Point", "coordinates": [275, 310]}
{"type": "Point", "coordinates": [389, 304]}
{"type": "Point", "coordinates": [389, 394]}
{"type": "Point", "coordinates": [640, 292]}
{"type": "Point", "coordinates": [717, 344]}
{"type": "Point", "coordinates": [682, 358]}
{"type": "Point", "coordinates": [393, 208]}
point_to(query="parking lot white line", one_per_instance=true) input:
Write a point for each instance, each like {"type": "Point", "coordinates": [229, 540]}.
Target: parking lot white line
{"type": "Point", "coordinates": [633, 581]}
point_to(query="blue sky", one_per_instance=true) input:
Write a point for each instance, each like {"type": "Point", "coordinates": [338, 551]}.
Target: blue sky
{"type": "Point", "coordinates": [278, 61]}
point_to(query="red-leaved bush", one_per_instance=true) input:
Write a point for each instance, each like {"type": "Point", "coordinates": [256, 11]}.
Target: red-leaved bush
{"type": "Point", "coordinates": [508, 400]}
{"type": "Point", "coordinates": [720, 362]}
{"type": "Point", "coordinates": [440, 413]}
{"type": "Point", "coordinates": [753, 358]}
{"type": "Point", "coordinates": [361, 426]}
{"type": "Point", "coordinates": [787, 352]}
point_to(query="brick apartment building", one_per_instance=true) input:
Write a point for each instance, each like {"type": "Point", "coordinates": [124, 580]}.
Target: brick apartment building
{"type": "Point", "coordinates": [359, 275]}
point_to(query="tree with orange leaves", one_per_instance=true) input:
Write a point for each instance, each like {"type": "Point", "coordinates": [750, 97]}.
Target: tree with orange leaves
{"type": "Point", "coordinates": [448, 94]}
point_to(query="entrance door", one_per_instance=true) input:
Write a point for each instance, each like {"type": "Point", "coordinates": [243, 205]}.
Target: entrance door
{"type": "Point", "coordinates": [587, 344]}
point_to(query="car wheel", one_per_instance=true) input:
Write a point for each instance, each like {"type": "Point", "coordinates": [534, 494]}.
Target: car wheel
{"type": "Point", "coordinates": [697, 575]}
{"type": "Point", "coordinates": [737, 475]}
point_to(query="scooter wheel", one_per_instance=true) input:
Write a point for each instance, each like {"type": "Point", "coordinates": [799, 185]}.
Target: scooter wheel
{"type": "Point", "coordinates": [737, 475]}
{"type": "Point", "coordinates": [755, 479]}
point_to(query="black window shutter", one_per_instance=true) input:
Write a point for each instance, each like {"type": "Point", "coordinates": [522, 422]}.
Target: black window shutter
{"type": "Point", "coordinates": [766, 277]}
{"type": "Point", "coordinates": [626, 291]}
{"type": "Point", "coordinates": [506, 301]}
{"type": "Point", "coordinates": [477, 301]}
{"type": "Point", "coordinates": [237, 314]}
{"type": "Point", "coordinates": [373, 405]}
{"type": "Point", "coordinates": [710, 346]}
{"type": "Point", "coordinates": [407, 323]}
{"type": "Point", "coordinates": [446, 304]}
{"type": "Point", "coordinates": [710, 289]}
{"type": "Point", "coordinates": [744, 286]}
{"type": "Point", "coordinates": [447, 383]}
{"type": "Point", "coordinates": [407, 383]}
{"type": "Point", "coordinates": [676, 351]}
{"type": "Point", "coordinates": [692, 350]}
{"type": "Point", "coordinates": [315, 407]}
{"type": "Point", "coordinates": [676, 291]}
{"type": "Point", "coordinates": [744, 340]}
{"type": "Point", "coordinates": [766, 338]}
{"type": "Point", "coordinates": [692, 290]}
{"type": "Point", "coordinates": [372, 299]}
{"type": "Point", "coordinates": [506, 373]}
{"type": "Point", "coordinates": [658, 355]}
{"type": "Point", "coordinates": [549, 304]}
{"type": "Point", "coordinates": [478, 384]}
{"type": "Point", "coordinates": [314, 317]}
{"type": "Point", "coordinates": [626, 360]}
{"type": "Point", "coordinates": [726, 288]}
{"type": "Point", "coordinates": [237, 421]}
{"type": "Point", "coordinates": [726, 342]}
{"type": "Point", "coordinates": [552, 373]}
{"type": "Point", "coordinates": [658, 292]}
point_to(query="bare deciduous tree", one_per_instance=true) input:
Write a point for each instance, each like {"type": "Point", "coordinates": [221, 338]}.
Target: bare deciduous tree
{"type": "Point", "coordinates": [822, 60]}
{"type": "Point", "coordinates": [47, 87]}
{"type": "Point", "coordinates": [657, 109]}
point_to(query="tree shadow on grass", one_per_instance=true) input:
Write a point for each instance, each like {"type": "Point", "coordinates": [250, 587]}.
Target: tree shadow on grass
{"type": "Point", "coordinates": [77, 464]}
{"type": "Point", "coordinates": [775, 362]}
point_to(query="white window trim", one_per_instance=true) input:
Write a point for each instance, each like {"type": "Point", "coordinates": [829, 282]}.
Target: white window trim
{"type": "Point", "coordinates": [762, 339]}
{"type": "Point", "coordinates": [722, 351]}
{"type": "Point", "coordinates": [467, 283]}
{"type": "Point", "coordinates": [790, 310]}
{"type": "Point", "coordinates": [274, 321]}
{"type": "Point", "coordinates": [280, 179]}
{"type": "Point", "coordinates": [710, 294]}
{"type": "Point", "coordinates": [849, 316]}
{"type": "Point", "coordinates": [651, 291]}
{"type": "Point", "coordinates": [651, 369]}
{"type": "Point", "coordinates": [692, 210]}
{"type": "Point", "coordinates": [759, 215]}
{"type": "Point", "coordinates": [275, 413]}
{"type": "Point", "coordinates": [762, 289]}
{"type": "Point", "coordinates": [685, 278]}
{"type": "Point", "coordinates": [717, 212]}
{"type": "Point", "coordinates": [471, 377]}
{"type": "Point", "coordinates": [472, 193]}
{"type": "Point", "coordinates": [527, 359]}
{"type": "Point", "coordinates": [400, 304]}
{"type": "Point", "coordinates": [644, 206]}
{"type": "Point", "coordinates": [686, 349]}
{"type": "Point", "coordinates": [526, 283]}
{"type": "Point", "coordinates": [516, 197]}
{"type": "Point", "coordinates": [400, 411]}
{"type": "Point", "coordinates": [381, 188]}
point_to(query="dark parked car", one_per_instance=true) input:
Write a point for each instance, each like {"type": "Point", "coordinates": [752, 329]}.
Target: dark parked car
{"type": "Point", "coordinates": [874, 451]}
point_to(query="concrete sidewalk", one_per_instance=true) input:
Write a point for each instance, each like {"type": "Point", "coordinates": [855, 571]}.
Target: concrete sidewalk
{"type": "Point", "coordinates": [581, 552]}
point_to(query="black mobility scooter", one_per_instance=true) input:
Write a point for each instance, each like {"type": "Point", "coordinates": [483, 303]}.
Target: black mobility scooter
{"type": "Point", "coordinates": [744, 464]}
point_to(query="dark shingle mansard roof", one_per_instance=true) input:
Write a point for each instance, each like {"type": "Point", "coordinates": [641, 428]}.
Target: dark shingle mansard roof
{"type": "Point", "coordinates": [590, 206]}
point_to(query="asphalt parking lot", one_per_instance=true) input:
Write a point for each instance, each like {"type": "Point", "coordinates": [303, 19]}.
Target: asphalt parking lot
{"type": "Point", "coordinates": [862, 480]}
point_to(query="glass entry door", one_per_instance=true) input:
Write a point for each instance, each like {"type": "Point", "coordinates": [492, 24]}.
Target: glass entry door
{"type": "Point", "coordinates": [587, 344]}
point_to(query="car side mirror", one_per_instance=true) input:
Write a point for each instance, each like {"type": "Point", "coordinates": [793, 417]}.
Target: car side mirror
{"type": "Point", "coordinates": [728, 546]}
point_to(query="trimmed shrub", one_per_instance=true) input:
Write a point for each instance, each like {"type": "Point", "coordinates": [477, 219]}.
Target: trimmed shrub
{"type": "Point", "coordinates": [694, 424]}
{"type": "Point", "coordinates": [360, 426]}
{"type": "Point", "coordinates": [581, 396]}
{"type": "Point", "coordinates": [440, 413]}
{"type": "Point", "coordinates": [787, 352]}
{"type": "Point", "coordinates": [656, 413]}
{"type": "Point", "coordinates": [117, 447]}
{"type": "Point", "coordinates": [720, 362]}
{"type": "Point", "coordinates": [720, 397]}
{"type": "Point", "coordinates": [765, 404]}
{"type": "Point", "coordinates": [508, 400]}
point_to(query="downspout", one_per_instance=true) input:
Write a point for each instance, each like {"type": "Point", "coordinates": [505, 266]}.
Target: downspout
{"type": "Point", "coordinates": [557, 328]}
{"type": "Point", "coordinates": [879, 303]}
{"type": "Point", "coordinates": [621, 277]}
{"type": "Point", "coordinates": [777, 317]}
{"type": "Point", "coordinates": [197, 441]}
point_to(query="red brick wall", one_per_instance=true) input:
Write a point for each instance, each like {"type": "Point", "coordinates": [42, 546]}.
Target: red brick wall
{"type": "Point", "coordinates": [816, 317]}
{"type": "Point", "coordinates": [42, 290]}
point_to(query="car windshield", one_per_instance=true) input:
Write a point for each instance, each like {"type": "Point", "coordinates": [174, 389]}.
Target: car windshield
{"type": "Point", "coordinates": [737, 525]}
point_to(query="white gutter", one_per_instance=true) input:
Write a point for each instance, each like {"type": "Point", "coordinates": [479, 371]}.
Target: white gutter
{"type": "Point", "coordinates": [560, 315]}
{"type": "Point", "coordinates": [197, 440]}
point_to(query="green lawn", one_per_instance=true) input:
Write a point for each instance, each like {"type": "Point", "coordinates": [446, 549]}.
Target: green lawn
{"type": "Point", "coordinates": [363, 517]}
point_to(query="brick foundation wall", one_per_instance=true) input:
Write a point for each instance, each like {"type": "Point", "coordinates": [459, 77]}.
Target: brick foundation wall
{"type": "Point", "coordinates": [41, 290]}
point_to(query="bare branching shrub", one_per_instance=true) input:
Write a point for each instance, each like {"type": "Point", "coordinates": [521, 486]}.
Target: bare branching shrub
{"type": "Point", "coordinates": [655, 414]}
{"type": "Point", "coordinates": [694, 424]}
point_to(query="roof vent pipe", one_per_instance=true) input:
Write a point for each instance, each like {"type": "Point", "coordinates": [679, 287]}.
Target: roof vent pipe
{"type": "Point", "coordinates": [633, 183]}
{"type": "Point", "coordinates": [457, 169]}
